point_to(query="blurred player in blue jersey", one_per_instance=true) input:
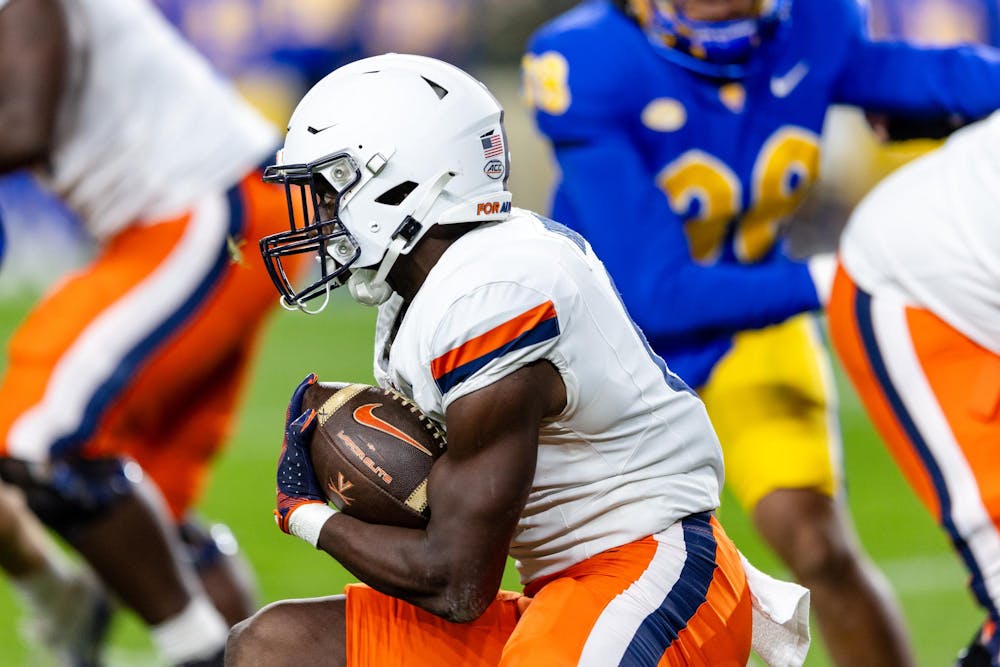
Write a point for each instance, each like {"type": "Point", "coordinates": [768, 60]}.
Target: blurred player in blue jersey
{"type": "Point", "coordinates": [686, 133]}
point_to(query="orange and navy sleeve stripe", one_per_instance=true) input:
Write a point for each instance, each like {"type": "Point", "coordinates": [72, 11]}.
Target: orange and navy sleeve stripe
{"type": "Point", "coordinates": [531, 327]}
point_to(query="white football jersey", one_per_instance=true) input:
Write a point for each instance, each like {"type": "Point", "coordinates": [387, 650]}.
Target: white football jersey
{"type": "Point", "coordinates": [632, 453]}
{"type": "Point", "coordinates": [930, 231]}
{"type": "Point", "coordinates": [146, 127]}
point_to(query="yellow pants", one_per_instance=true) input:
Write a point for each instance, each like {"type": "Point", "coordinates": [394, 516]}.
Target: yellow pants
{"type": "Point", "coordinates": [773, 404]}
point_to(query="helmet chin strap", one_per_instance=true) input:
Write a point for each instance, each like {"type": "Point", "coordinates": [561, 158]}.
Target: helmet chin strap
{"type": "Point", "coordinates": [369, 287]}
{"type": "Point", "coordinates": [365, 290]}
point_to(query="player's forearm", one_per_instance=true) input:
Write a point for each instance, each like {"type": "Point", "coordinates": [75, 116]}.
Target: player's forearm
{"type": "Point", "coordinates": [694, 300]}
{"type": "Point", "coordinates": [923, 82]}
{"type": "Point", "coordinates": [409, 564]}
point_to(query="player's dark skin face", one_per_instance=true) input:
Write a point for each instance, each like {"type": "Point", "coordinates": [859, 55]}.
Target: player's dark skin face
{"type": "Point", "coordinates": [326, 196]}
{"type": "Point", "coordinates": [716, 10]}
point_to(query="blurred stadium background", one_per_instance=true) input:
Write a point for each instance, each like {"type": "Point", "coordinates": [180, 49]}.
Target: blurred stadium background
{"type": "Point", "coordinates": [274, 50]}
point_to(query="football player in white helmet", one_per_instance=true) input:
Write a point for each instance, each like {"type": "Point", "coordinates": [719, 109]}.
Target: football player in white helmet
{"type": "Point", "coordinates": [571, 447]}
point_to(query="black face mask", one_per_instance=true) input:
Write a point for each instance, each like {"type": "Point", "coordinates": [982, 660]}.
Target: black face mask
{"type": "Point", "coordinates": [316, 229]}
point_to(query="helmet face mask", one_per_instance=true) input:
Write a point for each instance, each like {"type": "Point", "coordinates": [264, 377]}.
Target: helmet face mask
{"type": "Point", "coordinates": [317, 190]}
{"type": "Point", "coordinates": [721, 49]}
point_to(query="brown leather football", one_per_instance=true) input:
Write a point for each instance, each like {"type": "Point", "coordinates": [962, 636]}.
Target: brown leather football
{"type": "Point", "coordinates": [372, 451]}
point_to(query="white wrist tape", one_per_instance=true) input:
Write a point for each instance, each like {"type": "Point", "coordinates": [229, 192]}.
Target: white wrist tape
{"type": "Point", "coordinates": [307, 521]}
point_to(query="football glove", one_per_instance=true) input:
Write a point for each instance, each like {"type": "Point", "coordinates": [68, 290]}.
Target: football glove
{"type": "Point", "coordinates": [297, 485]}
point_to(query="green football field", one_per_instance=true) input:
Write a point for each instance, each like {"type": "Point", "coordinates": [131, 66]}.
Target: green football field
{"type": "Point", "coordinates": [897, 532]}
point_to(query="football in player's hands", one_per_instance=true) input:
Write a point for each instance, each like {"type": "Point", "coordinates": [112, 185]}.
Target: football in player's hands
{"type": "Point", "coordinates": [372, 450]}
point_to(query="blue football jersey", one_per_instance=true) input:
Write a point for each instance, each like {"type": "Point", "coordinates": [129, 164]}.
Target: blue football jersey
{"type": "Point", "coordinates": [681, 183]}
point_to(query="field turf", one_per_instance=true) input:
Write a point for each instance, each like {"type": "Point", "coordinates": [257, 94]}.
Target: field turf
{"type": "Point", "coordinates": [897, 532]}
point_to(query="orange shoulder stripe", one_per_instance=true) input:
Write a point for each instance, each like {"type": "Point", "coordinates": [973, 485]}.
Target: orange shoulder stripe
{"type": "Point", "coordinates": [493, 339]}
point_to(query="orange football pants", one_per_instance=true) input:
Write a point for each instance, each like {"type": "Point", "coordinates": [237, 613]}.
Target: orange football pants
{"type": "Point", "coordinates": [934, 397]}
{"type": "Point", "coordinates": [676, 598]}
{"type": "Point", "coordinates": [143, 352]}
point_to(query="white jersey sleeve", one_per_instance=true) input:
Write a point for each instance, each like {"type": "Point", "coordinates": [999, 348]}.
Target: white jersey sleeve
{"type": "Point", "coordinates": [490, 333]}
{"type": "Point", "coordinates": [3, 3]}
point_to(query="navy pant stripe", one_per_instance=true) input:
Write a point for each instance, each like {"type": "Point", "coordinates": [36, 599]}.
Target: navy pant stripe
{"type": "Point", "coordinates": [112, 387]}
{"type": "Point", "coordinates": [863, 316]}
{"type": "Point", "coordinates": [659, 630]}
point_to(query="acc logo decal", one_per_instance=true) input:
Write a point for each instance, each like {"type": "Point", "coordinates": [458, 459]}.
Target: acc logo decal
{"type": "Point", "coordinates": [494, 169]}
{"type": "Point", "coordinates": [341, 488]}
{"type": "Point", "coordinates": [363, 415]}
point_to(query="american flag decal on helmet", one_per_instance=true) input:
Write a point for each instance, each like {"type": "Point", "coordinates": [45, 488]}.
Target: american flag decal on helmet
{"type": "Point", "coordinates": [492, 144]}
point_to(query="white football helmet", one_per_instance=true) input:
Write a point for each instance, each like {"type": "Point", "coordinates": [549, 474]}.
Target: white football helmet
{"type": "Point", "coordinates": [376, 153]}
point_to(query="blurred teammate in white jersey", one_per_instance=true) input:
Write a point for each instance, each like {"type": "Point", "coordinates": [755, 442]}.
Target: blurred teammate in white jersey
{"type": "Point", "coordinates": [915, 318]}
{"type": "Point", "coordinates": [141, 354]}
{"type": "Point", "coordinates": [571, 446]}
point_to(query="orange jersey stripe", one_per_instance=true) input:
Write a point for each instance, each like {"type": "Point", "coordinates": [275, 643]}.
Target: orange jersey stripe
{"type": "Point", "coordinates": [492, 340]}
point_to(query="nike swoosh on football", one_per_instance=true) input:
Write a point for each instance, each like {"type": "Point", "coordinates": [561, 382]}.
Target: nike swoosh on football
{"type": "Point", "coordinates": [363, 415]}
{"type": "Point", "coordinates": [782, 86]}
